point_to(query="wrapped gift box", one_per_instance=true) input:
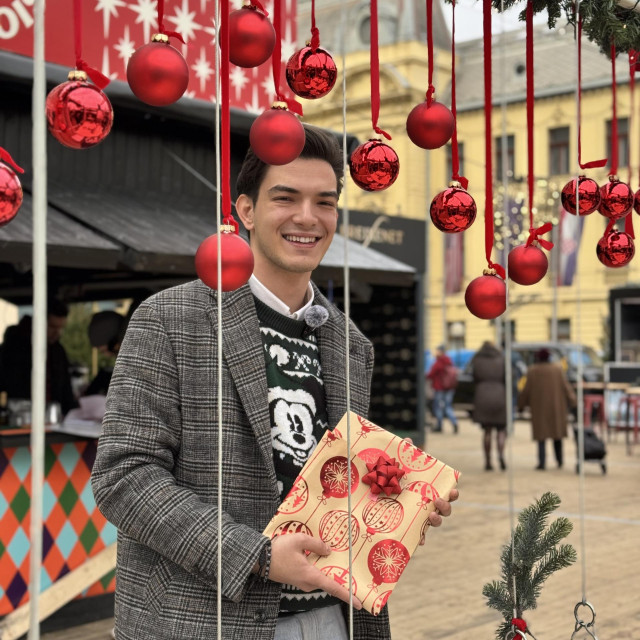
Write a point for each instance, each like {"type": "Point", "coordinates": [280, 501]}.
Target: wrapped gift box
{"type": "Point", "coordinates": [393, 485]}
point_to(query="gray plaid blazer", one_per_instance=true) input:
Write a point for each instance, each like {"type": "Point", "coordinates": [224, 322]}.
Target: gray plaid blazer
{"type": "Point", "coordinates": [155, 475]}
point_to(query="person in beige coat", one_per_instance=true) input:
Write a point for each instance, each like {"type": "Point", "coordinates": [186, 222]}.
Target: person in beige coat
{"type": "Point", "coordinates": [547, 393]}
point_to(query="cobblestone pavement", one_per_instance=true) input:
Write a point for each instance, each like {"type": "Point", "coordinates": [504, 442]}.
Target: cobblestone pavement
{"type": "Point", "coordinates": [440, 594]}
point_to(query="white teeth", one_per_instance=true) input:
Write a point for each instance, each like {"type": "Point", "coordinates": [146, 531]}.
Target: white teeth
{"type": "Point", "coordinates": [303, 240]}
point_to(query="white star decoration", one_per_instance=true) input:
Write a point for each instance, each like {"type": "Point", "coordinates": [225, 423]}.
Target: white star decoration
{"type": "Point", "coordinates": [125, 47]}
{"type": "Point", "coordinates": [269, 90]}
{"type": "Point", "coordinates": [212, 31]}
{"type": "Point", "coordinates": [147, 16]}
{"type": "Point", "coordinates": [202, 69]}
{"type": "Point", "coordinates": [105, 64]}
{"type": "Point", "coordinates": [109, 8]}
{"type": "Point", "coordinates": [238, 80]}
{"type": "Point", "coordinates": [184, 21]}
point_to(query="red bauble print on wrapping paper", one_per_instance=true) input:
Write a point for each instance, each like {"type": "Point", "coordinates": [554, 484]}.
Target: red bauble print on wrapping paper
{"type": "Point", "coordinates": [334, 480]}
{"type": "Point", "coordinates": [425, 490]}
{"type": "Point", "coordinates": [341, 576]}
{"type": "Point", "coordinates": [588, 196]}
{"type": "Point", "coordinates": [430, 126]}
{"type": "Point", "coordinates": [414, 459]}
{"type": "Point", "coordinates": [527, 264]}
{"type": "Point", "coordinates": [79, 115]}
{"type": "Point", "coordinates": [334, 529]}
{"type": "Point", "coordinates": [251, 37]}
{"type": "Point", "coordinates": [290, 527]}
{"type": "Point", "coordinates": [237, 260]}
{"type": "Point", "coordinates": [311, 74]}
{"type": "Point", "coordinates": [386, 561]}
{"type": "Point", "coordinates": [453, 210]}
{"type": "Point", "coordinates": [379, 602]}
{"type": "Point", "coordinates": [616, 199]}
{"type": "Point", "coordinates": [277, 136]}
{"type": "Point", "coordinates": [486, 296]}
{"type": "Point", "coordinates": [374, 166]}
{"type": "Point", "coordinates": [157, 73]}
{"type": "Point", "coordinates": [615, 249]}
{"type": "Point", "coordinates": [296, 499]}
{"type": "Point", "coordinates": [10, 194]}
{"type": "Point", "coordinates": [383, 515]}
{"type": "Point", "coordinates": [369, 456]}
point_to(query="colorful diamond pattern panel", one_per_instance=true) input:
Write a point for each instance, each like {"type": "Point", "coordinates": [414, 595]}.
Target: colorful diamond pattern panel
{"type": "Point", "coordinates": [73, 528]}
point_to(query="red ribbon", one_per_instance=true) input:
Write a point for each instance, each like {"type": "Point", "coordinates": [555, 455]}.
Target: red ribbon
{"type": "Point", "coordinates": [375, 71]}
{"type": "Point", "coordinates": [431, 89]}
{"type": "Point", "coordinates": [161, 29]}
{"type": "Point", "coordinates": [633, 58]}
{"type": "Point", "coordinates": [315, 32]}
{"type": "Point", "coordinates": [455, 157]}
{"type": "Point", "coordinates": [100, 80]}
{"type": "Point", "coordinates": [614, 117]}
{"type": "Point", "coordinates": [276, 62]}
{"type": "Point", "coordinates": [6, 158]}
{"type": "Point", "coordinates": [384, 476]}
{"type": "Point", "coordinates": [225, 117]}
{"type": "Point", "coordinates": [519, 624]}
{"type": "Point", "coordinates": [534, 236]}
{"type": "Point", "coordinates": [530, 99]}
{"type": "Point", "coordinates": [258, 5]}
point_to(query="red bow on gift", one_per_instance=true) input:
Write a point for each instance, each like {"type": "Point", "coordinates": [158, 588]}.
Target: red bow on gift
{"type": "Point", "coordinates": [384, 476]}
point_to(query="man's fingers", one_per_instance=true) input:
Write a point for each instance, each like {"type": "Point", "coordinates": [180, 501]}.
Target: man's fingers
{"type": "Point", "coordinates": [330, 586]}
{"type": "Point", "coordinates": [443, 507]}
{"type": "Point", "coordinates": [453, 495]}
{"type": "Point", "coordinates": [309, 543]}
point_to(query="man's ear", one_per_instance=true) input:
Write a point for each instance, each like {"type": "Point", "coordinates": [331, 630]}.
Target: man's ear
{"type": "Point", "coordinates": [244, 209]}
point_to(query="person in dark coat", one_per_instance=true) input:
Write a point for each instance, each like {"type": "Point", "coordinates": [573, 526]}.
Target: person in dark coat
{"type": "Point", "coordinates": [444, 389]}
{"type": "Point", "coordinates": [547, 393]}
{"type": "Point", "coordinates": [489, 401]}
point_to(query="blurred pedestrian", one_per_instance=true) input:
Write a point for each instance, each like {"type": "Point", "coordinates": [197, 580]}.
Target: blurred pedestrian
{"type": "Point", "coordinates": [490, 400]}
{"type": "Point", "coordinates": [548, 394]}
{"type": "Point", "coordinates": [106, 331]}
{"type": "Point", "coordinates": [444, 380]}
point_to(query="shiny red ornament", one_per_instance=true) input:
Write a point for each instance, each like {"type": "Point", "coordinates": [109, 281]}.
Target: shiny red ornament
{"type": "Point", "coordinates": [79, 115]}
{"type": "Point", "coordinates": [277, 136]}
{"type": "Point", "coordinates": [486, 296]}
{"type": "Point", "coordinates": [157, 73]}
{"type": "Point", "coordinates": [615, 249]}
{"type": "Point", "coordinates": [636, 202]}
{"type": "Point", "coordinates": [527, 264]}
{"type": "Point", "coordinates": [430, 127]}
{"type": "Point", "coordinates": [311, 74]}
{"type": "Point", "coordinates": [453, 210]}
{"type": "Point", "coordinates": [387, 560]}
{"type": "Point", "coordinates": [588, 196]}
{"type": "Point", "coordinates": [237, 260]}
{"type": "Point", "coordinates": [616, 199]}
{"type": "Point", "coordinates": [251, 37]}
{"type": "Point", "coordinates": [374, 165]}
{"type": "Point", "coordinates": [10, 194]}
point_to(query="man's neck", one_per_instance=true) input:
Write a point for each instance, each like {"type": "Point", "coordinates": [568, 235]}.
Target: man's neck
{"type": "Point", "coordinates": [292, 289]}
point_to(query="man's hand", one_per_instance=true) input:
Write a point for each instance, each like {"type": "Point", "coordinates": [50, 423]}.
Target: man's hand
{"type": "Point", "coordinates": [289, 565]}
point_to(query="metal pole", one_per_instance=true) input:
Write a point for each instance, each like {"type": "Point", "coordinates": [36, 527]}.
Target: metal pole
{"type": "Point", "coordinates": [555, 256]}
{"type": "Point", "coordinates": [426, 289]}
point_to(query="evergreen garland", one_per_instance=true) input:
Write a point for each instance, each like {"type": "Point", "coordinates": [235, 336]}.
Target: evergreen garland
{"type": "Point", "coordinates": [536, 554]}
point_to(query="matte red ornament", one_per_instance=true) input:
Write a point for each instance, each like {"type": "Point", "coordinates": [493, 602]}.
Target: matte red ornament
{"type": "Point", "coordinates": [157, 73]}
{"type": "Point", "coordinates": [277, 136]}
{"type": "Point", "coordinates": [616, 199]}
{"type": "Point", "coordinates": [636, 202]}
{"type": "Point", "coordinates": [527, 264]}
{"type": "Point", "coordinates": [251, 37]}
{"type": "Point", "coordinates": [79, 115]}
{"type": "Point", "coordinates": [486, 296]}
{"type": "Point", "coordinates": [430, 126]}
{"type": "Point", "coordinates": [453, 210]}
{"type": "Point", "coordinates": [615, 249]}
{"type": "Point", "coordinates": [374, 165]}
{"type": "Point", "coordinates": [311, 74]}
{"type": "Point", "coordinates": [237, 260]}
{"type": "Point", "coordinates": [10, 194]}
{"type": "Point", "coordinates": [588, 196]}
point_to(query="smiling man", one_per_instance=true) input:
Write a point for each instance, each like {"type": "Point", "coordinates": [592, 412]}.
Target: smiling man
{"type": "Point", "coordinates": [283, 381]}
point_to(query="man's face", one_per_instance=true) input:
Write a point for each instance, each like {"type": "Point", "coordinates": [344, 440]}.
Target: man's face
{"type": "Point", "coordinates": [55, 326]}
{"type": "Point", "coordinates": [293, 219]}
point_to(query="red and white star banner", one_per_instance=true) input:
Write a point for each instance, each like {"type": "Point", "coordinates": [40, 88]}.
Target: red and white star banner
{"type": "Point", "coordinates": [114, 29]}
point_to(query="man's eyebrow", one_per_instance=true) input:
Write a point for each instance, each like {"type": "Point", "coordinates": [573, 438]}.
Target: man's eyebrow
{"type": "Point", "coordinates": [282, 187]}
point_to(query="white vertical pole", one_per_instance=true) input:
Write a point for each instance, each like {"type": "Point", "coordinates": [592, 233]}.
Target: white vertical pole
{"type": "Point", "coordinates": [39, 335]}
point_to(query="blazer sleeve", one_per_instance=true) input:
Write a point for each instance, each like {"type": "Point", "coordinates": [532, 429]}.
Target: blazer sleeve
{"type": "Point", "coordinates": [132, 477]}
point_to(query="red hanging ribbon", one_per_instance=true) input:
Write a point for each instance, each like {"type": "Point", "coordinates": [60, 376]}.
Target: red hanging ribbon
{"type": "Point", "coordinates": [633, 58]}
{"type": "Point", "coordinates": [431, 90]}
{"type": "Point", "coordinates": [161, 29]}
{"type": "Point", "coordinates": [375, 71]}
{"type": "Point", "coordinates": [534, 236]}
{"type": "Point", "coordinates": [614, 118]}
{"type": "Point", "coordinates": [530, 99]}
{"type": "Point", "coordinates": [315, 32]}
{"type": "Point", "coordinates": [455, 157]}
{"type": "Point", "coordinates": [276, 62]}
{"type": "Point", "coordinates": [100, 80]}
{"type": "Point", "coordinates": [225, 117]}
{"type": "Point", "coordinates": [7, 159]}
{"type": "Point", "coordinates": [258, 5]}
{"type": "Point", "coordinates": [384, 476]}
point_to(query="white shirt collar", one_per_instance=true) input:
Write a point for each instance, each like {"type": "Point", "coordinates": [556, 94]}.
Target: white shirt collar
{"type": "Point", "coordinates": [271, 300]}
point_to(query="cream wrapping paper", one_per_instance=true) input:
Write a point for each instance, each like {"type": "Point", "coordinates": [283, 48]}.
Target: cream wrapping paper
{"type": "Point", "coordinates": [385, 529]}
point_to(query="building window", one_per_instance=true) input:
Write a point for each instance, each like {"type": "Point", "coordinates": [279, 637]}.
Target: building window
{"type": "Point", "coordinates": [510, 159]}
{"type": "Point", "coordinates": [623, 141]}
{"type": "Point", "coordinates": [450, 159]}
{"type": "Point", "coordinates": [563, 328]}
{"type": "Point", "coordinates": [559, 151]}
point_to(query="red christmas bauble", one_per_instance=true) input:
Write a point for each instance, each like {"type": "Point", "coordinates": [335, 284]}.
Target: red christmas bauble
{"type": "Point", "coordinates": [486, 297]}
{"type": "Point", "coordinates": [588, 196]}
{"type": "Point", "coordinates": [387, 560]}
{"type": "Point", "coordinates": [527, 265]}
{"type": "Point", "coordinates": [237, 260]}
{"type": "Point", "coordinates": [636, 202]}
{"type": "Point", "coordinates": [615, 249]}
{"type": "Point", "coordinates": [374, 166]}
{"type": "Point", "coordinates": [616, 199]}
{"type": "Point", "coordinates": [453, 210]}
{"type": "Point", "coordinates": [311, 74]}
{"type": "Point", "coordinates": [157, 73]}
{"type": "Point", "coordinates": [251, 37]}
{"type": "Point", "coordinates": [277, 136]}
{"type": "Point", "coordinates": [79, 115]}
{"type": "Point", "coordinates": [10, 194]}
{"type": "Point", "coordinates": [430, 127]}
